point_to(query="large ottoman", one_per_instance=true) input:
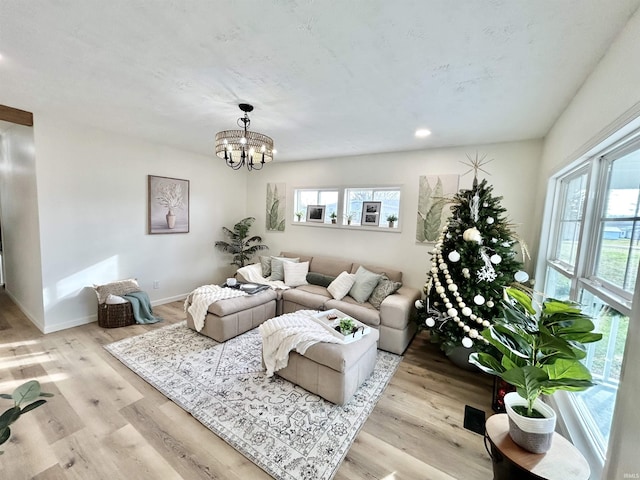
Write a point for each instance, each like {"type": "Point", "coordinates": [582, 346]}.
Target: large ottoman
{"type": "Point", "coordinates": [333, 371]}
{"type": "Point", "coordinates": [233, 316]}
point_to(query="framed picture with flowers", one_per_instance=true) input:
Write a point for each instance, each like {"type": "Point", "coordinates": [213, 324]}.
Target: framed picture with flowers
{"type": "Point", "coordinates": [168, 205]}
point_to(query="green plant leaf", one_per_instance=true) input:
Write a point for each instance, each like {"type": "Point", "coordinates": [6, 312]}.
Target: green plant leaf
{"type": "Point", "coordinates": [517, 345]}
{"type": "Point", "coordinates": [5, 433]}
{"type": "Point", "coordinates": [26, 392]}
{"type": "Point", "coordinates": [552, 306]}
{"type": "Point", "coordinates": [583, 337]}
{"type": "Point", "coordinates": [486, 362]}
{"type": "Point", "coordinates": [33, 405]}
{"type": "Point", "coordinates": [6, 395]}
{"type": "Point", "coordinates": [528, 380]}
{"type": "Point", "coordinates": [522, 298]}
{"type": "Point", "coordinates": [9, 416]}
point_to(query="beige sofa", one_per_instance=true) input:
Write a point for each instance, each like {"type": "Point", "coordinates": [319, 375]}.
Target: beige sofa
{"type": "Point", "coordinates": [395, 320]}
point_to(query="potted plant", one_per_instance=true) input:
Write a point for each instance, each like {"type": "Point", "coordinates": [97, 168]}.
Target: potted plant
{"type": "Point", "coordinates": [349, 218]}
{"type": "Point", "coordinates": [392, 219]}
{"type": "Point", "coordinates": [27, 392]}
{"type": "Point", "coordinates": [241, 244]}
{"type": "Point", "coordinates": [538, 354]}
{"type": "Point", "coordinates": [299, 216]}
{"type": "Point", "coordinates": [333, 217]}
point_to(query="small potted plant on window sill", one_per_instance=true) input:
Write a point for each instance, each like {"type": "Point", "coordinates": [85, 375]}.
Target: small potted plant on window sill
{"type": "Point", "coordinates": [349, 218]}
{"type": "Point", "coordinates": [334, 217]}
{"type": "Point", "coordinates": [392, 219]}
{"type": "Point", "coordinates": [538, 354]}
{"type": "Point", "coordinates": [299, 216]}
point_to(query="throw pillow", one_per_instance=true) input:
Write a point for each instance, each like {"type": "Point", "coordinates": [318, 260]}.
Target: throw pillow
{"type": "Point", "coordinates": [277, 269]}
{"type": "Point", "coordinates": [364, 284]}
{"type": "Point", "coordinates": [114, 300]}
{"type": "Point", "coordinates": [384, 288]}
{"type": "Point", "coordinates": [265, 263]}
{"type": "Point", "coordinates": [121, 287]}
{"type": "Point", "coordinates": [341, 285]}
{"type": "Point", "coordinates": [295, 274]}
{"type": "Point", "coordinates": [320, 279]}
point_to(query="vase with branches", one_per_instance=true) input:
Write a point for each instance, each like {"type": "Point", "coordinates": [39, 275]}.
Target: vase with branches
{"type": "Point", "coordinates": [170, 195]}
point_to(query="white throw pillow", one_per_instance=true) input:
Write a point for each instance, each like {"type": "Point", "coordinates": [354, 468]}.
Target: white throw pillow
{"type": "Point", "coordinates": [295, 274]}
{"type": "Point", "coordinates": [277, 270]}
{"type": "Point", "coordinates": [115, 299]}
{"type": "Point", "coordinates": [341, 285]}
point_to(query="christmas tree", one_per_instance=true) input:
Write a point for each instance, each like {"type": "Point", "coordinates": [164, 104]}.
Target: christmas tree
{"type": "Point", "coordinates": [472, 261]}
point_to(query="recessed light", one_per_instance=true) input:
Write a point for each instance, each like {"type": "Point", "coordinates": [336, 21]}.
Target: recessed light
{"type": "Point", "coordinates": [422, 133]}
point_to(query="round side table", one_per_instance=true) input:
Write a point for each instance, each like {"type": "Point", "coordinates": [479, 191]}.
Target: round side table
{"type": "Point", "coordinates": [562, 462]}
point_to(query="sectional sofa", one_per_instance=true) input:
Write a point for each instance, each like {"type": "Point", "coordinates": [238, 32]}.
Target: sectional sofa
{"type": "Point", "coordinates": [394, 317]}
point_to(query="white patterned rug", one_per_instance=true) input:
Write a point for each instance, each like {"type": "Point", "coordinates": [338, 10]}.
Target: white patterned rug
{"type": "Point", "coordinates": [285, 430]}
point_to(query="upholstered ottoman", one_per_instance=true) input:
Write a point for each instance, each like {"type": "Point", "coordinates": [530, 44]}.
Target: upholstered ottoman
{"type": "Point", "coordinates": [333, 371]}
{"type": "Point", "coordinates": [233, 316]}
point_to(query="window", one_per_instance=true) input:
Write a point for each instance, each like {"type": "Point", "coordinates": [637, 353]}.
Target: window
{"type": "Point", "coordinates": [592, 258]}
{"type": "Point", "coordinates": [347, 203]}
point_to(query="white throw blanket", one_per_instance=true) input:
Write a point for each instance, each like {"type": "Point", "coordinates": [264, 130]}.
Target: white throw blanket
{"type": "Point", "coordinates": [253, 273]}
{"type": "Point", "coordinates": [198, 301]}
{"type": "Point", "coordinates": [287, 332]}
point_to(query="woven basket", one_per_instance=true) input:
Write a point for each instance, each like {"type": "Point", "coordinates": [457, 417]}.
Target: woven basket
{"type": "Point", "coordinates": [115, 315]}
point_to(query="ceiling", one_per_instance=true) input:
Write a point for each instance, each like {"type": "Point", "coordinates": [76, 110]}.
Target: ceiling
{"type": "Point", "coordinates": [328, 78]}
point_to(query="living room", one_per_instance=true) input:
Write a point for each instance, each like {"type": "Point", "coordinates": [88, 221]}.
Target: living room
{"type": "Point", "coordinates": [74, 195]}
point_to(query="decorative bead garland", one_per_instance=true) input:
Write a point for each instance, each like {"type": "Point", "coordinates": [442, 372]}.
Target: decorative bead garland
{"type": "Point", "coordinates": [438, 264]}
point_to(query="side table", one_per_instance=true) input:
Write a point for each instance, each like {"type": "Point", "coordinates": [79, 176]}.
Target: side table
{"type": "Point", "coordinates": [562, 462]}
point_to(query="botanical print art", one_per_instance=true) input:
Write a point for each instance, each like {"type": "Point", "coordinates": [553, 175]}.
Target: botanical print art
{"type": "Point", "coordinates": [434, 194]}
{"type": "Point", "coordinates": [168, 205]}
{"type": "Point", "coordinates": [276, 203]}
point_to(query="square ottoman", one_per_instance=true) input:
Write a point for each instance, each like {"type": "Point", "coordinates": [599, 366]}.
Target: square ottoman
{"type": "Point", "coordinates": [333, 371]}
{"type": "Point", "coordinates": [233, 316]}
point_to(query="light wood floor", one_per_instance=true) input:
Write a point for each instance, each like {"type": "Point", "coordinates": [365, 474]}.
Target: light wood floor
{"type": "Point", "coordinates": [105, 422]}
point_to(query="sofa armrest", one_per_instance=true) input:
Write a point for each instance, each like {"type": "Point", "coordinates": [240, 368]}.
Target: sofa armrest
{"type": "Point", "coordinates": [398, 310]}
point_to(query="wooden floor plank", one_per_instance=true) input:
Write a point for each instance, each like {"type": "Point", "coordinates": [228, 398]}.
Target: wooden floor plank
{"type": "Point", "coordinates": [105, 422]}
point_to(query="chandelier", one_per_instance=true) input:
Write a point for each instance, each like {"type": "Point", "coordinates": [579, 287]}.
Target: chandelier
{"type": "Point", "coordinates": [241, 147]}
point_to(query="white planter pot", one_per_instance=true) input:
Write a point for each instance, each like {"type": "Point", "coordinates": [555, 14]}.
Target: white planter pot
{"type": "Point", "coordinates": [532, 434]}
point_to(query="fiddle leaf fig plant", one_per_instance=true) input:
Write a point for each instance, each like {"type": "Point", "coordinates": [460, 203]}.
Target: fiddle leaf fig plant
{"type": "Point", "coordinates": [538, 353]}
{"type": "Point", "coordinates": [27, 392]}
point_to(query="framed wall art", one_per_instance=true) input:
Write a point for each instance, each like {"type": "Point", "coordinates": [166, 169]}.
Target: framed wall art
{"type": "Point", "coordinates": [168, 205]}
{"type": "Point", "coordinates": [315, 213]}
{"type": "Point", "coordinates": [371, 213]}
{"type": "Point", "coordinates": [276, 202]}
{"type": "Point", "coordinates": [435, 194]}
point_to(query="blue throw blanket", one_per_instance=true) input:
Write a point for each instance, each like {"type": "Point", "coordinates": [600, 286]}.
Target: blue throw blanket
{"type": "Point", "coordinates": [141, 306]}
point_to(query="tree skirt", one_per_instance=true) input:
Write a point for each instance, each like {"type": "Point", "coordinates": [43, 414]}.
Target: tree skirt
{"type": "Point", "coordinates": [285, 430]}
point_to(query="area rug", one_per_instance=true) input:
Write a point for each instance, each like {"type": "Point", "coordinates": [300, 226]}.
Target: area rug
{"type": "Point", "coordinates": [285, 430]}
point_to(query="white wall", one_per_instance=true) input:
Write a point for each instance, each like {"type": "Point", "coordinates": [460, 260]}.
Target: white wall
{"type": "Point", "coordinates": [608, 102]}
{"type": "Point", "coordinates": [19, 212]}
{"type": "Point", "coordinates": [92, 200]}
{"type": "Point", "coordinates": [511, 173]}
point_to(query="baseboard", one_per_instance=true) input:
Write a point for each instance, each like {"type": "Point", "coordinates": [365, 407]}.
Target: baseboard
{"type": "Point", "coordinates": [39, 325]}
{"type": "Point", "coordinates": [71, 323]}
{"type": "Point", "coordinates": [162, 301]}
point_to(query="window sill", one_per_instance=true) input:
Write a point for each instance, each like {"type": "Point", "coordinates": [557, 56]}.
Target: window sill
{"type": "Point", "coordinates": [337, 226]}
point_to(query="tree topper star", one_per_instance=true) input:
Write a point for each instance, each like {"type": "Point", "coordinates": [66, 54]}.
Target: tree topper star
{"type": "Point", "coordinates": [476, 164]}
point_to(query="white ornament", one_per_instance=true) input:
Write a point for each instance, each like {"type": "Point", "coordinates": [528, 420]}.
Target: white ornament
{"type": "Point", "coordinates": [490, 304]}
{"type": "Point", "coordinates": [473, 333]}
{"type": "Point", "coordinates": [466, 328]}
{"type": "Point", "coordinates": [466, 311]}
{"type": "Point", "coordinates": [490, 220]}
{"type": "Point", "coordinates": [454, 256]}
{"type": "Point", "coordinates": [485, 204]}
{"type": "Point", "coordinates": [495, 259]}
{"type": "Point", "coordinates": [478, 299]}
{"type": "Point", "coordinates": [439, 289]}
{"type": "Point", "coordinates": [452, 312]}
{"type": "Point", "coordinates": [448, 305]}
{"type": "Point", "coordinates": [453, 287]}
{"type": "Point", "coordinates": [419, 304]}
{"type": "Point", "coordinates": [467, 342]}
{"type": "Point", "coordinates": [448, 235]}
{"type": "Point", "coordinates": [494, 240]}
{"type": "Point", "coordinates": [487, 274]}
{"type": "Point", "coordinates": [429, 322]}
{"type": "Point", "coordinates": [465, 273]}
{"type": "Point", "coordinates": [521, 276]}
{"type": "Point", "coordinates": [486, 323]}
{"type": "Point", "coordinates": [472, 235]}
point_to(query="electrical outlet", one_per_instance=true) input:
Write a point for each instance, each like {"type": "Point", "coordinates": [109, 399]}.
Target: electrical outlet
{"type": "Point", "coordinates": [156, 284]}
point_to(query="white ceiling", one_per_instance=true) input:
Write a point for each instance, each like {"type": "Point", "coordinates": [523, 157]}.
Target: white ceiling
{"type": "Point", "coordinates": [327, 77]}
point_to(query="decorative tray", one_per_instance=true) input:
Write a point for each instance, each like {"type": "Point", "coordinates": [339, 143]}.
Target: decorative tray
{"type": "Point", "coordinates": [330, 319]}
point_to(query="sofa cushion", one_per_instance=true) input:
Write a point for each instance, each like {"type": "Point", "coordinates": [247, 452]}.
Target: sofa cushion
{"type": "Point", "coordinates": [384, 288]}
{"type": "Point", "coordinates": [361, 311]}
{"type": "Point", "coordinates": [295, 274]}
{"type": "Point", "coordinates": [330, 266]}
{"type": "Point", "coordinates": [363, 285]}
{"type": "Point", "coordinates": [277, 268]}
{"type": "Point", "coordinates": [303, 258]}
{"type": "Point", "coordinates": [237, 304]}
{"type": "Point", "coordinates": [337, 357]}
{"type": "Point", "coordinates": [307, 296]}
{"type": "Point", "coordinates": [265, 263]}
{"type": "Point", "coordinates": [395, 275]}
{"type": "Point", "coordinates": [320, 279]}
{"type": "Point", "coordinates": [341, 285]}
